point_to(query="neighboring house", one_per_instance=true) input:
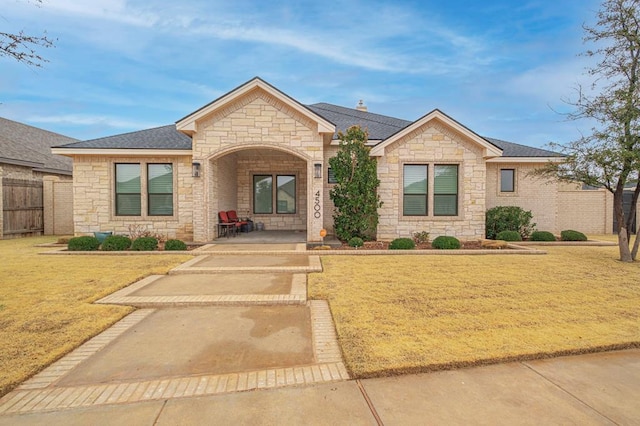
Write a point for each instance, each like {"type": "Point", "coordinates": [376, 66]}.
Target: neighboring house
{"type": "Point", "coordinates": [33, 181]}
{"type": "Point", "coordinates": [260, 152]}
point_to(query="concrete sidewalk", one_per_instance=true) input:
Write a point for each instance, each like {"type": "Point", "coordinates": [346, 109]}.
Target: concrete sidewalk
{"type": "Point", "coordinates": [593, 389]}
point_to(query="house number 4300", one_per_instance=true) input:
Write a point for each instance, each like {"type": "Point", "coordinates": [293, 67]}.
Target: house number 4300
{"type": "Point", "coordinates": [316, 206]}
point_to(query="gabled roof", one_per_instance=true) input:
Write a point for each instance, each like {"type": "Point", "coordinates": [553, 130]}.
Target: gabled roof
{"type": "Point", "coordinates": [510, 149]}
{"type": "Point", "coordinates": [378, 126]}
{"type": "Point", "coordinates": [30, 146]}
{"type": "Point", "coordinates": [188, 124]}
{"type": "Point", "coordinates": [490, 150]}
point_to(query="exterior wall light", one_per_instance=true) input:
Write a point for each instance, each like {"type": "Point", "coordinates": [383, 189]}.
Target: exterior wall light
{"type": "Point", "coordinates": [195, 169]}
{"type": "Point", "coordinates": [317, 170]}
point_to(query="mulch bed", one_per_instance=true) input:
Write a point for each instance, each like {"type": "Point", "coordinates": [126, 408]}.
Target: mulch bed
{"type": "Point", "coordinates": [384, 245]}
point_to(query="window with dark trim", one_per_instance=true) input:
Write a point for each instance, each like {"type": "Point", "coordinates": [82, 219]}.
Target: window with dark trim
{"type": "Point", "coordinates": [507, 180]}
{"type": "Point", "coordinates": [445, 190]}
{"type": "Point", "coordinates": [284, 197]}
{"type": "Point", "coordinates": [415, 194]}
{"type": "Point", "coordinates": [128, 189]}
{"type": "Point", "coordinates": [160, 189]}
{"type": "Point", "coordinates": [331, 177]}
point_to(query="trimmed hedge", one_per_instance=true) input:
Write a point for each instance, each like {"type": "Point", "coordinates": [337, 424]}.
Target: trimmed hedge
{"type": "Point", "coordinates": [542, 236]}
{"type": "Point", "coordinates": [570, 235]}
{"type": "Point", "coordinates": [508, 218]}
{"type": "Point", "coordinates": [446, 243]}
{"type": "Point", "coordinates": [402, 244]}
{"type": "Point", "coordinates": [509, 236]}
{"type": "Point", "coordinates": [85, 243]}
{"type": "Point", "coordinates": [356, 242]}
{"type": "Point", "coordinates": [145, 244]}
{"type": "Point", "coordinates": [175, 245]}
{"type": "Point", "coordinates": [116, 243]}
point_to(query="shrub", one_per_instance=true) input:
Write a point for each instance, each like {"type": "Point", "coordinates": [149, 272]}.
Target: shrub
{"type": "Point", "coordinates": [570, 235]}
{"type": "Point", "coordinates": [356, 242]}
{"type": "Point", "coordinates": [402, 244]}
{"type": "Point", "coordinates": [175, 245]}
{"type": "Point", "coordinates": [508, 218]}
{"type": "Point", "coordinates": [421, 237]}
{"type": "Point", "coordinates": [83, 244]}
{"type": "Point", "coordinates": [116, 243]}
{"type": "Point", "coordinates": [542, 236]}
{"type": "Point", "coordinates": [145, 244]}
{"type": "Point", "coordinates": [446, 243]}
{"type": "Point", "coordinates": [509, 236]}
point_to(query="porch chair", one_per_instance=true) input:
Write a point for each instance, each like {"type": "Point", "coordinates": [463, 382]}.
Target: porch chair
{"type": "Point", "coordinates": [233, 217]}
{"type": "Point", "coordinates": [225, 225]}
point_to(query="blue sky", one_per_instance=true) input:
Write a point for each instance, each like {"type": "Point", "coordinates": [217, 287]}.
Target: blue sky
{"type": "Point", "coordinates": [499, 67]}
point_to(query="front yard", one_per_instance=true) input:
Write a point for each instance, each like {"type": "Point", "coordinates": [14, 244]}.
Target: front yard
{"type": "Point", "coordinates": [400, 314]}
{"type": "Point", "coordinates": [46, 305]}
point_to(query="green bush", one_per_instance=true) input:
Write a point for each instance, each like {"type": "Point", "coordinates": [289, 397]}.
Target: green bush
{"type": "Point", "coordinates": [402, 244]}
{"type": "Point", "coordinates": [570, 235]}
{"type": "Point", "coordinates": [509, 236]}
{"type": "Point", "coordinates": [116, 243]}
{"type": "Point", "coordinates": [508, 218]}
{"type": "Point", "coordinates": [356, 242]}
{"type": "Point", "coordinates": [83, 244]}
{"type": "Point", "coordinates": [446, 243]}
{"type": "Point", "coordinates": [175, 245]}
{"type": "Point", "coordinates": [542, 236]}
{"type": "Point", "coordinates": [421, 237]}
{"type": "Point", "coordinates": [145, 244]}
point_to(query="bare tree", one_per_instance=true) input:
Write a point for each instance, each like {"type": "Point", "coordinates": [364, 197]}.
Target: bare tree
{"type": "Point", "coordinates": [23, 47]}
{"type": "Point", "coordinates": [609, 157]}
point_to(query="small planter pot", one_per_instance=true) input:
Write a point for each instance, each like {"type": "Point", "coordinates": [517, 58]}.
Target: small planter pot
{"type": "Point", "coordinates": [101, 236]}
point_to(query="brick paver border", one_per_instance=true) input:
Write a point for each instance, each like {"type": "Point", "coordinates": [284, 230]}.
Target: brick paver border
{"type": "Point", "coordinates": [41, 394]}
{"type": "Point", "coordinates": [297, 296]}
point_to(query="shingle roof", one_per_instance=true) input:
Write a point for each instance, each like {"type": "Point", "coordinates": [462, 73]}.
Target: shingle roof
{"type": "Point", "coordinates": [31, 146]}
{"type": "Point", "coordinates": [510, 149]}
{"type": "Point", "coordinates": [378, 126]}
{"type": "Point", "coordinates": [165, 137]}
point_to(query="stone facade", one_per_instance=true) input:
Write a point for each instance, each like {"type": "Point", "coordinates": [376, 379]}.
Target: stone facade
{"type": "Point", "coordinates": [432, 145]}
{"type": "Point", "coordinates": [255, 134]}
{"type": "Point", "coordinates": [94, 197]}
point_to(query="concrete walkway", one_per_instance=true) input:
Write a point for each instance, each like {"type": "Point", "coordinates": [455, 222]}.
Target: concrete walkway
{"type": "Point", "coordinates": [214, 345]}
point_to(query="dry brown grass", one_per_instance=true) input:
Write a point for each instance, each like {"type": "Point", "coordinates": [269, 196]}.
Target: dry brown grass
{"type": "Point", "coordinates": [45, 301]}
{"type": "Point", "coordinates": [399, 314]}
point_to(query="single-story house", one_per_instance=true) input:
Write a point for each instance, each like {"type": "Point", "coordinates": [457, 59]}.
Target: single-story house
{"type": "Point", "coordinates": [260, 152]}
{"type": "Point", "coordinates": [33, 181]}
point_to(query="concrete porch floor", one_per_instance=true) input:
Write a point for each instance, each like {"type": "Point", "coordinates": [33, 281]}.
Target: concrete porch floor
{"type": "Point", "coordinates": [272, 237]}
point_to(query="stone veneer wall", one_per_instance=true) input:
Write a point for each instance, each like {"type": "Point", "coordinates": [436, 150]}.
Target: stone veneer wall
{"type": "Point", "coordinates": [433, 144]}
{"type": "Point", "coordinates": [94, 197]}
{"type": "Point", "coordinates": [255, 120]}
{"type": "Point", "coordinates": [539, 195]}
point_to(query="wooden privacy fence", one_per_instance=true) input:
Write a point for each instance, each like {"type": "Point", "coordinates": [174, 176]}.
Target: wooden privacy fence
{"type": "Point", "coordinates": [22, 207]}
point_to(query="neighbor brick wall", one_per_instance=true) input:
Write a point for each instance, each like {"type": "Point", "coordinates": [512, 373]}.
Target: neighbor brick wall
{"type": "Point", "coordinates": [94, 197]}
{"type": "Point", "coordinates": [432, 144]}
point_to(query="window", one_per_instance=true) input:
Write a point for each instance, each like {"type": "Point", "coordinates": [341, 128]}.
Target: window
{"type": "Point", "coordinates": [331, 177]}
{"type": "Point", "coordinates": [286, 194]}
{"type": "Point", "coordinates": [128, 190]}
{"type": "Point", "coordinates": [263, 195]}
{"type": "Point", "coordinates": [507, 180]}
{"type": "Point", "coordinates": [445, 190]}
{"type": "Point", "coordinates": [160, 189]}
{"type": "Point", "coordinates": [415, 190]}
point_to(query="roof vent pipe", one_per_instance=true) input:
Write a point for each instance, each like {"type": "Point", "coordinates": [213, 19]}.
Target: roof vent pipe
{"type": "Point", "coordinates": [361, 106]}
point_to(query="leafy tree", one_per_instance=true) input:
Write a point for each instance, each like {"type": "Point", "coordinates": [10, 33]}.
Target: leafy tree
{"type": "Point", "coordinates": [609, 157]}
{"type": "Point", "coordinates": [22, 47]}
{"type": "Point", "coordinates": [355, 195]}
